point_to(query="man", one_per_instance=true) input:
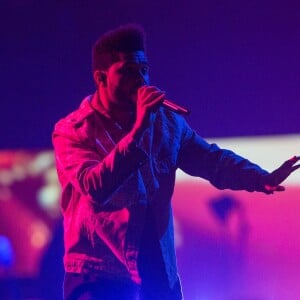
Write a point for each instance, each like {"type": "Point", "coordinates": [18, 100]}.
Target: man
{"type": "Point", "coordinates": [116, 159]}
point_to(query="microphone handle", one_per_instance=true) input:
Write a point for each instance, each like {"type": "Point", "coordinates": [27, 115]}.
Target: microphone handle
{"type": "Point", "coordinates": [175, 107]}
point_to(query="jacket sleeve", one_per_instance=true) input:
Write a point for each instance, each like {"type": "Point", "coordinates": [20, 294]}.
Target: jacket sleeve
{"type": "Point", "coordinates": [90, 172]}
{"type": "Point", "coordinates": [223, 168]}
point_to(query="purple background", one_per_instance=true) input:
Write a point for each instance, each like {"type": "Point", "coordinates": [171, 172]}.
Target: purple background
{"type": "Point", "coordinates": [235, 65]}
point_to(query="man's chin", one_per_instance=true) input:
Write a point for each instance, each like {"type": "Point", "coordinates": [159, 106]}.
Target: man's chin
{"type": "Point", "coordinates": [130, 105]}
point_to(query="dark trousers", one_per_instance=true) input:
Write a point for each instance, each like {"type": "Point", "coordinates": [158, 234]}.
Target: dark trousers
{"type": "Point", "coordinates": [85, 287]}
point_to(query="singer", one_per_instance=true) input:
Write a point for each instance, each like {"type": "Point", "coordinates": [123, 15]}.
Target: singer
{"type": "Point", "coordinates": [116, 157]}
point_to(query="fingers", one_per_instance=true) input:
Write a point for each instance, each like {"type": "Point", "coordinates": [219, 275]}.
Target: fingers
{"type": "Point", "coordinates": [271, 189]}
{"type": "Point", "coordinates": [294, 168]}
{"type": "Point", "coordinates": [150, 96]}
{"type": "Point", "coordinates": [149, 99]}
{"type": "Point", "coordinates": [274, 179]}
{"type": "Point", "coordinates": [291, 162]}
{"type": "Point", "coordinates": [294, 159]}
{"type": "Point", "coordinates": [290, 166]}
{"type": "Point", "coordinates": [280, 188]}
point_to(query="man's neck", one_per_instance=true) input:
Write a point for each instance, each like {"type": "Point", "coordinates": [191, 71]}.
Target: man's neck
{"type": "Point", "coordinates": [124, 118]}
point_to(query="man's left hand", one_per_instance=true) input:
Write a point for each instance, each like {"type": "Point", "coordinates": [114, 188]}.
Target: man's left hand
{"type": "Point", "coordinates": [272, 181]}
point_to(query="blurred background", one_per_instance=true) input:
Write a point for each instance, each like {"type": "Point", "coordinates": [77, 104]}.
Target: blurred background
{"type": "Point", "coordinates": [235, 64]}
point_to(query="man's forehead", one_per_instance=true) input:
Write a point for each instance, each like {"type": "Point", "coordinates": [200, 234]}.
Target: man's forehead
{"type": "Point", "coordinates": [135, 57]}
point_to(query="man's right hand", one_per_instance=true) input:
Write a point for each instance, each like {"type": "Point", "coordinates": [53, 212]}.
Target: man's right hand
{"type": "Point", "coordinates": [149, 99]}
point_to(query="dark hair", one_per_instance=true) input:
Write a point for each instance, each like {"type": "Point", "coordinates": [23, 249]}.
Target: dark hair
{"type": "Point", "coordinates": [125, 39]}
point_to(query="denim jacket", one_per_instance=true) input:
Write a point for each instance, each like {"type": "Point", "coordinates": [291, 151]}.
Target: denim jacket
{"type": "Point", "coordinates": [108, 180]}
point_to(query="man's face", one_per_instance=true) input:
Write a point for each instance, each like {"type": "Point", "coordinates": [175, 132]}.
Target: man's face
{"type": "Point", "coordinates": [124, 77]}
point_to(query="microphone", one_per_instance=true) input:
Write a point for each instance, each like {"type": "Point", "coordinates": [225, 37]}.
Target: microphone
{"type": "Point", "coordinates": [175, 107]}
{"type": "Point", "coordinates": [171, 105]}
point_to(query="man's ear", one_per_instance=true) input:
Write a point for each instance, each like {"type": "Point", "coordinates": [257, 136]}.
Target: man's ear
{"type": "Point", "coordinates": [100, 77]}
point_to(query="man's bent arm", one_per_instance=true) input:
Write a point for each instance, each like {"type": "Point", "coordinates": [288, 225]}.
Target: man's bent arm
{"type": "Point", "coordinates": [93, 174]}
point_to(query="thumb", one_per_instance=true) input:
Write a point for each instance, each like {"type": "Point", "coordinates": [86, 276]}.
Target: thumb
{"type": "Point", "coordinates": [270, 189]}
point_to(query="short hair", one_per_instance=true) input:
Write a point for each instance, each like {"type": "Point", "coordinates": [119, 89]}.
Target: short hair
{"type": "Point", "coordinates": [124, 39]}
